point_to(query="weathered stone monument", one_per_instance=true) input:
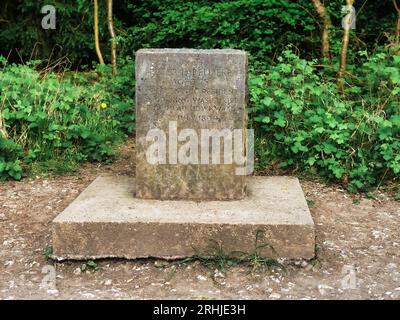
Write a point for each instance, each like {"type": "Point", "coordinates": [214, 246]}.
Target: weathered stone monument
{"type": "Point", "coordinates": [193, 153]}
{"type": "Point", "coordinates": [200, 90]}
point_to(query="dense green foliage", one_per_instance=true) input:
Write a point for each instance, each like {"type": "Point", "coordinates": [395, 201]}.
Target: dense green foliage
{"type": "Point", "coordinates": [261, 27]}
{"type": "Point", "coordinates": [255, 26]}
{"type": "Point", "coordinates": [305, 124]}
{"type": "Point", "coordinates": [53, 118]}
{"type": "Point", "coordinates": [58, 120]}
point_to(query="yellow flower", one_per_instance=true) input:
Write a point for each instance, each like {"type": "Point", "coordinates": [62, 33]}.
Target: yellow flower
{"type": "Point", "coordinates": [104, 105]}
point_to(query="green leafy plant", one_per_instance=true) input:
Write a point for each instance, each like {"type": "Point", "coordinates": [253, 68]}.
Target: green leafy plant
{"type": "Point", "coordinates": [215, 257]}
{"type": "Point", "coordinates": [10, 153]}
{"type": "Point", "coordinates": [89, 265]}
{"type": "Point", "coordinates": [351, 138]}
{"type": "Point", "coordinates": [53, 121]}
{"type": "Point", "coordinates": [47, 252]}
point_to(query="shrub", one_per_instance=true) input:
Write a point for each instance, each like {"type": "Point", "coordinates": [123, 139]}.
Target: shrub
{"type": "Point", "coordinates": [50, 118]}
{"type": "Point", "coordinates": [352, 138]}
{"type": "Point", "coordinates": [10, 152]}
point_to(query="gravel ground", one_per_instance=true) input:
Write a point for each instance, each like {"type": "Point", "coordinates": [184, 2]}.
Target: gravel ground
{"type": "Point", "coordinates": [357, 243]}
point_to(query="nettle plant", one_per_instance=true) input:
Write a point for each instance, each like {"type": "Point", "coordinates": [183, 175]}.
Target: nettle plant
{"type": "Point", "coordinates": [305, 123]}
{"type": "Point", "coordinates": [54, 121]}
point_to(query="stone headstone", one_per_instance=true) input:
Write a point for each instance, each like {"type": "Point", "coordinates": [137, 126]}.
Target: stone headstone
{"type": "Point", "coordinates": [187, 100]}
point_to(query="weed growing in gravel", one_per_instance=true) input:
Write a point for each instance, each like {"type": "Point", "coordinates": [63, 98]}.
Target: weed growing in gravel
{"type": "Point", "coordinates": [215, 257]}
{"type": "Point", "coordinates": [89, 265]}
{"type": "Point", "coordinates": [47, 252]}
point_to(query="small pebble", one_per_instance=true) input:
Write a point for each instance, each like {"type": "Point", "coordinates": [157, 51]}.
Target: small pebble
{"type": "Point", "coordinates": [201, 278]}
{"type": "Point", "coordinates": [274, 296]}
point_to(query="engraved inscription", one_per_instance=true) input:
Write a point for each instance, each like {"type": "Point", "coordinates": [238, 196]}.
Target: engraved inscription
{"type": "Point", "coordinates": [196, 89]}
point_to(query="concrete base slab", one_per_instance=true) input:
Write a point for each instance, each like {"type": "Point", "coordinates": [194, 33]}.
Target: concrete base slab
{"type": "Point", "coordinates": [106, 220]}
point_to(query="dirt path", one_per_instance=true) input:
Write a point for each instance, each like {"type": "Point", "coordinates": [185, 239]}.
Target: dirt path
{"type": "Point", "coordinates": [358, 251]}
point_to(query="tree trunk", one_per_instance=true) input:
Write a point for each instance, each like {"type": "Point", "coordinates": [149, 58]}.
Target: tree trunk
{"type": "Point", "coordinates": [327, 24]}
{"type": "Point", "coordinates": [96, 32]}
{"type": "Point", "coordinates": [397, 41]}
{"type": "Point", "coordinates": [112, 35]}
{"type": "Point", "coordinates": [345, 45]}
{"type": "Point", "coordinates": [3, 131]}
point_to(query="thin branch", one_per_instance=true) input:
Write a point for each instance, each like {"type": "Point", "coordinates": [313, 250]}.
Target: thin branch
{"type": "Point", "coordinates": [396, 6]}
{"type": "Point", "coordinates": [397, 42]}
{"type": "Point", "coordinates": [112, 35]}
{"type": "Point", "coordinates": [345, 45]}
{"type": "Point", "coordinates": [327, 24]}
{"type": "Point", "coordinates": [96, 32]}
